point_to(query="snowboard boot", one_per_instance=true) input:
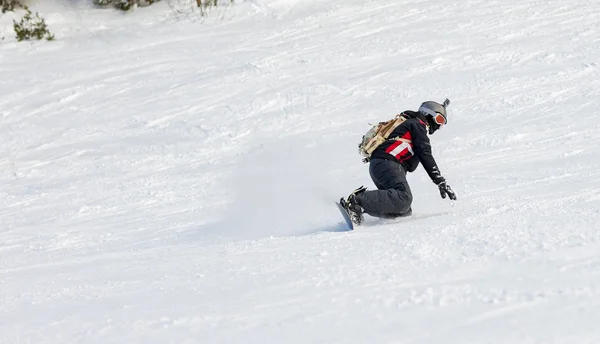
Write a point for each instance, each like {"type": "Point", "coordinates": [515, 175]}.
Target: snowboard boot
{"type": "Point", "coordinates": [355, 211]}
{"type": "Point", "coordinates": [406, 213]}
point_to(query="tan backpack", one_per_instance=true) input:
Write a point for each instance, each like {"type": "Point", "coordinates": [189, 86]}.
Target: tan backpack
{"type": "Point", "coordinates": [378, 134]}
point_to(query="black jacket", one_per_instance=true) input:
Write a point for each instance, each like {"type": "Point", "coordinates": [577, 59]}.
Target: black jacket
{"type": "Point", "coordinates": [410, 154]}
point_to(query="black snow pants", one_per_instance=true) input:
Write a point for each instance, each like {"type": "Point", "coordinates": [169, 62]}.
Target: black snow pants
{"type": "Point", "coordinates": [394, 198]}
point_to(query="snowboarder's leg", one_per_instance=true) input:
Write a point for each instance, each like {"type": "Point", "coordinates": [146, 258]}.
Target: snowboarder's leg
{"type": "Point", "coordinates": [394, 198]}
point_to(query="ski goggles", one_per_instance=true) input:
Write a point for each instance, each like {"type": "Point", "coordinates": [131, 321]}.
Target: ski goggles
{"type": "Point", "coordinates": [437, 117]}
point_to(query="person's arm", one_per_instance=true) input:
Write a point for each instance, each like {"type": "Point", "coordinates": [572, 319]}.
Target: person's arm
{"type": "Point", "coordinates": [422, 148]}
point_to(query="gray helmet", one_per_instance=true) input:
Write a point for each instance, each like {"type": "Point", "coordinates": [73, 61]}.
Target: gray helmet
{"type": "Point", "coordinates": [431, 108]}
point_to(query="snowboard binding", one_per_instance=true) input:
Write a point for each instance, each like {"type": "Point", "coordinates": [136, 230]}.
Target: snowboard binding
{"type": "Point", "coordinates": [353, 209]}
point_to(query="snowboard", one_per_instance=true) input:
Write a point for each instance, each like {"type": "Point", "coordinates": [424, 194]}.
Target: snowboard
{"type": "Point", "coordinates": [346, 217]}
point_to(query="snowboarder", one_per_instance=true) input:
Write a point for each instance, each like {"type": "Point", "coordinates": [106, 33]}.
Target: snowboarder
{"type": "Point", "coordinates": [392, 149]}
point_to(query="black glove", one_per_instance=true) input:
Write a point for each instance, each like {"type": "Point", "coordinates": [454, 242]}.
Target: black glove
{"type": "Point", "coordinates": [446, 190]}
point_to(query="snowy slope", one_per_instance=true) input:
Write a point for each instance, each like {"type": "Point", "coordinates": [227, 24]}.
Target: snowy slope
{"type": "Point", "coordinates": [168, 179]}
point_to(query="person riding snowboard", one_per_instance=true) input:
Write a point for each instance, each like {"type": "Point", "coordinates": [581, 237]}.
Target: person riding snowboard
{"type": "Point", "coordinates": [392, 149]}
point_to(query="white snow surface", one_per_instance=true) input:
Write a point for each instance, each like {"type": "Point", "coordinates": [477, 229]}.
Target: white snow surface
{"type": "Point", "coordinates": [170, 179]}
